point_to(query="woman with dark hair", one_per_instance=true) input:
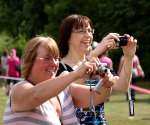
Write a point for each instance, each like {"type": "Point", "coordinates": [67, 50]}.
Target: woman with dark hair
{"type": "Point", "coordinates": [76, 36]}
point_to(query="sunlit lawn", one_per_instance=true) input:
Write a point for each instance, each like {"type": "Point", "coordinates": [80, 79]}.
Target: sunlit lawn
{"type": "Point", "coordinates": [116, 109]}
{"type": "Point", "coordinates": [3, 99]}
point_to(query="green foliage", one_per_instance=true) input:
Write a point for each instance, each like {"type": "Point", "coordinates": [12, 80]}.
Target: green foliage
{"type": "Point", "coordinates": [8, 42]}
{"type": "Point", "coordinates": [27, 18]}
{"type": "Point", "coordinates": [19, 44]}
{"type": "Point", "coordinates": [5, 41]}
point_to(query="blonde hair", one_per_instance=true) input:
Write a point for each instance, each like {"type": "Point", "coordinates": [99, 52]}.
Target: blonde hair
{"type": "Point", "coordinates": [30, 52]}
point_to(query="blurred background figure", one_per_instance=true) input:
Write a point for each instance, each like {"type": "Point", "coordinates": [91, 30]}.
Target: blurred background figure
{"type": "Point", "coordinates": [4, 66]}
{"type": "Point", "coordinates": [137, 72]}
{"type": "Point", "coordinates": [13, 62]}
{"type": "Point", "coordinates": [104, 58]}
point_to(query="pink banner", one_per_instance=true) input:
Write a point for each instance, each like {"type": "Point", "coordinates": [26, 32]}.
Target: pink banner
{"type": "Point", "coordinates": [139, 89]}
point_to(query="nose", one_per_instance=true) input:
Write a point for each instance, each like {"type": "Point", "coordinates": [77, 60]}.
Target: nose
{"type": "Point", "coordinates": [87, 32]}
{"type": "Point", "coordinates": [88, 35]}
{"type": "Point", "coordinates": [55, 61]}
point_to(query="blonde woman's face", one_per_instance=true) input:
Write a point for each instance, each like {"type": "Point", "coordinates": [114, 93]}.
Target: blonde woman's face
{"type": "Point", "coordinates": [45, 65]}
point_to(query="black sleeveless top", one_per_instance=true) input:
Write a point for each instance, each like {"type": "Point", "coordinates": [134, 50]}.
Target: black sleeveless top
{"type": "Point", "coordinates": [63, 67]}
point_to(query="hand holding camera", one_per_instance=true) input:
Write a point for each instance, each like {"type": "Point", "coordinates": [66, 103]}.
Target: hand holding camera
{"type": "Point", "coordinates": [107, 78]}
{"type": "Point", "coordinates": [128, 45]}
{"type": "Point", "coordinates": [123, 40]}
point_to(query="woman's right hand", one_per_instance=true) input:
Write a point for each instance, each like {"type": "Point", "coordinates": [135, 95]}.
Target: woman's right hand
{"type": "Point", "coordinates": [108, 42]}
{"type": "Point", "coordinates": [86, 69]}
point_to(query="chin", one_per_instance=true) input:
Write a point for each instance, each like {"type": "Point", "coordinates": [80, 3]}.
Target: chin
{"type": "Point", "coordinates": [52, 75]}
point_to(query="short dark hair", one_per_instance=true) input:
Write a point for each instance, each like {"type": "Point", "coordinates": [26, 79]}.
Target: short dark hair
{"type": "Point", "coordinates": [74, 21]}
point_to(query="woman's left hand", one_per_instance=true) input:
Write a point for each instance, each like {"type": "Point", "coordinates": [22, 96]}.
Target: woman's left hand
{"type": "Point", "coordinates": [109, 80]}
{"type": "Point", "coordinates": [130, 49]}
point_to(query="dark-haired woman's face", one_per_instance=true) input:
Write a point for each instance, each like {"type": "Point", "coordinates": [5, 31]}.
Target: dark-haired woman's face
{"type": "Point", "coordinates": [80, 39]}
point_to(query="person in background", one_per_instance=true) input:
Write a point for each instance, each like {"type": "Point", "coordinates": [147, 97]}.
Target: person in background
{"type": "Point", "coordinates": [106, 60]}
{"type": "Point", "coordinates": [137, 72]}
{"type": "Point", "coordinates": [4, 65]}
{"type": "Point", "coordinates": [76, 36]}
{"type": "Point", "coordinates": [13, 63]}
{"type": "Point", "coordinates": [43, 99]}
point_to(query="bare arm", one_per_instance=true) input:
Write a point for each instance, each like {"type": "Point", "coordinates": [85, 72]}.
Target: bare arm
{"type": "Point", "coordinates": [81, 95]}
{"type": "Point", "coordinates": [123, 82]}
{"type": "Point", "coordinates": [124, 76]}
{"type": "Point", "coordinates": [108, 42]}
{"type": "Point", "coordinates": [120, 65]}
{"type": "Point", "coordinates": [26, 96]}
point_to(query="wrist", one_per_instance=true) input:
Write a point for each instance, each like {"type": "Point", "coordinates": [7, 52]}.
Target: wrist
{"type": "Point", "coordinates": [93, 53]}
{"type": "Point", "coordinates": [97, 51]}
{"type": "Point", "coordinates": [128, 56]}
{"type": "Point", "coordinates": [103, 89]}
{"type": "Point", "coordinates": [106, 86]}
{"type": "Point", "coordinates": [75, 74]}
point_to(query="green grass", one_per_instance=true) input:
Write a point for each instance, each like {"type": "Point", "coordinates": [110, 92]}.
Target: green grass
{"type": "Point", "coordinates": [116, 109]}
{"type": "Point", "coordinates": [3, 99]}
{"type": "Point", "coordinates": [117, 112]}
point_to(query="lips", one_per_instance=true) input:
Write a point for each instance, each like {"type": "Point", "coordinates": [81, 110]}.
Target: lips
{"type": "Point", "coordinates": [86, 44]}
{"type": "Point", "coordinates": [52, 69]}
{"type": "Point", "coordinates": [87, 41]}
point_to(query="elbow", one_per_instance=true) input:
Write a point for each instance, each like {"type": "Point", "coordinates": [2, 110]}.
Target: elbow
{"type": "Point", "coordinates": [123, 87]}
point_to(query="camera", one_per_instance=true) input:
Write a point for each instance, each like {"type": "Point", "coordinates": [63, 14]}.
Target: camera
{"type": "Point", "coordinates": [101, 69]}
{"type": "Point", "coordinates": [123, 40]}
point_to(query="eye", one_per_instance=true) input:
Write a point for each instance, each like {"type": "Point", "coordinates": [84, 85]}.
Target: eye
{"type": "Point", "coordinates": [81, 30]}
{"type": "Point", "coordinates": [57, 58]}
{"type": "Point", "coordinates": [90, 31]}
{"type": "Point", "coordinates": [47, 59]}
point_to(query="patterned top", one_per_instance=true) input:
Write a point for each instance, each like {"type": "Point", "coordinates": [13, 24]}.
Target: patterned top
{"type": "Point", "coordinates": [68, 110]}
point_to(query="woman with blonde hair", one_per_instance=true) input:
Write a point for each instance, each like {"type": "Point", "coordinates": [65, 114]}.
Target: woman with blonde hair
{"type": "Point", "coordinates": [41, 98]}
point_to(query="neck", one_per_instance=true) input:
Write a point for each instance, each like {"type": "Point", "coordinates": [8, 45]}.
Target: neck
{"type": "Point", "coordinates": [34, 79]}
{"type": "Point", "coordinates": [74, 58]}
{"type": "Point", "coordinates": [31, 81]}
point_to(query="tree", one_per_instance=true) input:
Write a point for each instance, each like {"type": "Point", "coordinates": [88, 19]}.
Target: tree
{"type": "Point", "coordinates": [28, 18]}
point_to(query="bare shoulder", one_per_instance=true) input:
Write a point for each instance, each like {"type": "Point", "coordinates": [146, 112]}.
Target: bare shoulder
{"type": "Point", "coordinates": [22, 84]}
{"type": "Point", "coordinates": [20, 93]}
{"type": "Point", "coordinates": [21, 87]}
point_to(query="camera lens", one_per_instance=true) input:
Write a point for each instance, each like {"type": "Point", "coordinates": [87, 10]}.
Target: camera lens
{"type": "Point", "coordinates": [101, 69]}
{"type": "Point", "coordinates": [123, 40]}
